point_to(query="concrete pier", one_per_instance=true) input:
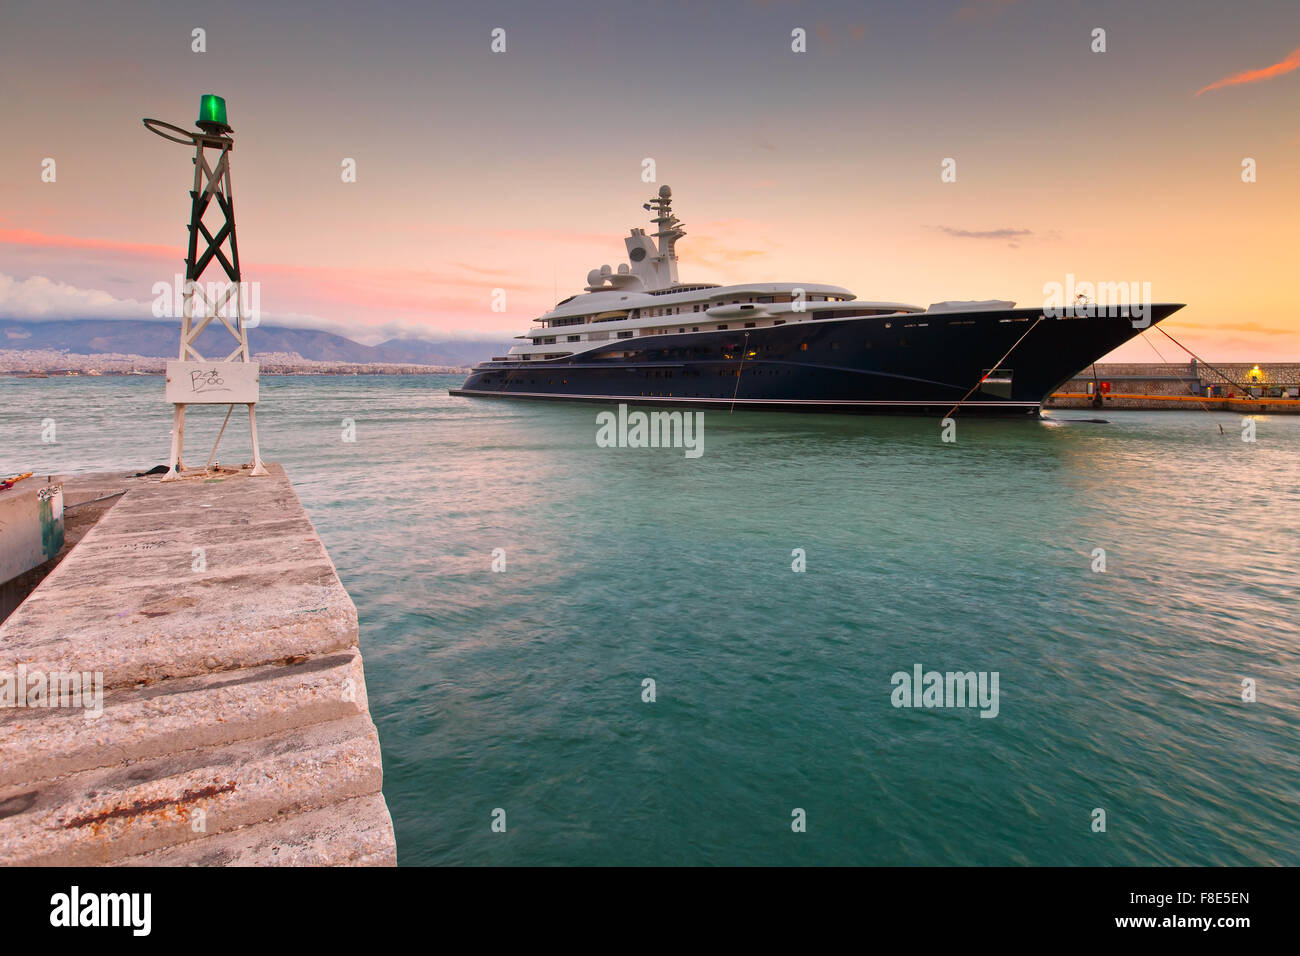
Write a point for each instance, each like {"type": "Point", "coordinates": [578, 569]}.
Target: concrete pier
{"type": "Point", "coordinates": [234, 726]}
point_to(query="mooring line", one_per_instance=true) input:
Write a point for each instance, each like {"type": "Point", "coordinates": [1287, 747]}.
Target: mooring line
{"type": "Point", "coordinates": [743, 350]}
{"type": "Point", "coordinates": [994, 368]}
{"type": "Point", "coordinates": [91, 501]}
{"type": "Point", "coordinates": [1222, 375]}
{"type": "Point", "coordinates": [1190, 390]}
{"type": "Point", "coordinates": [218, 441]}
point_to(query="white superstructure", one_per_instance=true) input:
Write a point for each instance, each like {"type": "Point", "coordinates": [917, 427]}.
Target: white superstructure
{"type": "Point", "coordinates": [644, 297]}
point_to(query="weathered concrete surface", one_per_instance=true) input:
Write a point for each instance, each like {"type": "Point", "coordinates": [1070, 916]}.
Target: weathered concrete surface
{"type": "Point", "coordinates": [352, 833]}
{"type": "Point", "coordinates": [234, 727]}
{"type": "Point", "coordinates": [86, 498]}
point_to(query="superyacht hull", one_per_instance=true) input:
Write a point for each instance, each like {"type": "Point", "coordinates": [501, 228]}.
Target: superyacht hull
{"type": "Point", "coordinates": [920, 363]}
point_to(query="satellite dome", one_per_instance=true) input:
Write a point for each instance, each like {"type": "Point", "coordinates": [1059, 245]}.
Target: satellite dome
{"type": "Point", "coordinates": [605, 270]}
{"type": "Point", "coordinates": [622, 268]}
{"type": "Point", "coordinates": [594, 277]}
{"type": "Point", "coordinates": [664, 192]}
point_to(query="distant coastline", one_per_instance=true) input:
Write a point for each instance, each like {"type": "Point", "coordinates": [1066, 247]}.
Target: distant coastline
{"type": "Point", "coordinates": [120, 346]}
{"type": "Point", "coordinates": [49, 363]}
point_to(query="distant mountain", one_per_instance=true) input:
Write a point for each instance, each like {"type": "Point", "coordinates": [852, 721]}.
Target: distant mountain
{"type": "Point", "coordinates": [449, 352]}
{"type": "Point", "coordinates": [162, 340]}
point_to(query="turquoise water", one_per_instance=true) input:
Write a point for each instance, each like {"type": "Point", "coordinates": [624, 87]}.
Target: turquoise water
{"type": "Point", "coordinates": [522, 690]}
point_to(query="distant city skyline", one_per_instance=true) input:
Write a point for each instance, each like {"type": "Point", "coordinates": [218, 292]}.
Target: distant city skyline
{"type": "Point", "coordinates": [521, 170]}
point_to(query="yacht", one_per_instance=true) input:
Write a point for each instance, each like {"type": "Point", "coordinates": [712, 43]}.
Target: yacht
{"type": "Point", "coordinates": [637, 334]}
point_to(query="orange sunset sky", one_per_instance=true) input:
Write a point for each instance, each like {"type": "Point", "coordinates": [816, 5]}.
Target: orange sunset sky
{"type": "Point", "coordinates": [522, 170]}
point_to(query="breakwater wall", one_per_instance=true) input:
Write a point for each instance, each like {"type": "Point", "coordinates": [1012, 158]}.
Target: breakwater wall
{"type": "Point", "coordinates": [1272, 388]}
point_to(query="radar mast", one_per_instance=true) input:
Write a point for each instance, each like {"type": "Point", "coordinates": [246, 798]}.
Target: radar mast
{"type": "Point", "coordinates": [670, 230]}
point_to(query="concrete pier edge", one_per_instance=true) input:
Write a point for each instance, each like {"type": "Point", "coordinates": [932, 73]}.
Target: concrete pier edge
{"type": "Point", "coordinates": [235, 726]}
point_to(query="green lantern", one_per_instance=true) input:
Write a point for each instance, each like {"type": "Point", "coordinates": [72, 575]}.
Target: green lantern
{"type": "Point", "coordinates": [212, 114]}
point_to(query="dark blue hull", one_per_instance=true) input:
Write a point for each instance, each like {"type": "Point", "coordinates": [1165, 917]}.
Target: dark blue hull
{"type": "Point", "coordinates": [922, 363]}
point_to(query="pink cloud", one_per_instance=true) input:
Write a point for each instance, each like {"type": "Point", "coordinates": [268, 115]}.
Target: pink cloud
{"type": "Point", "coordinates": [347, 300]}
{"type": "Point", "coordinates": [26, 237]}
{"type": "Point", "coordinates": [1279, 68]}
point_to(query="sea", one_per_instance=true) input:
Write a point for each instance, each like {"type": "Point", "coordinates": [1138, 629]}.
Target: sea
{"type": "Point", "coordinates": [593, 655]}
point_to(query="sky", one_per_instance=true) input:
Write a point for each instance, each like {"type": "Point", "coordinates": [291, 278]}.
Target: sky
{"type": "Point", "coordinates": [522, 170]}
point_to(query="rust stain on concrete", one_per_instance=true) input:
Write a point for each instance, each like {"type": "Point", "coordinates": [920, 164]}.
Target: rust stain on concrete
{"type": "Point", "coordinates": [140, 807]}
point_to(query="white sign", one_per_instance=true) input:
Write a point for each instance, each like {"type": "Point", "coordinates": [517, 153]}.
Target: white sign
{"type": "Point", "coordinates": [212, 383]}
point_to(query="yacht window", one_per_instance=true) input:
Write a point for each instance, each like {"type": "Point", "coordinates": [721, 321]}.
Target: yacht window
{"type": "Point", "coordinates": [749, 325]}
{"type": "Point", "coordinates": [722, 328]}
